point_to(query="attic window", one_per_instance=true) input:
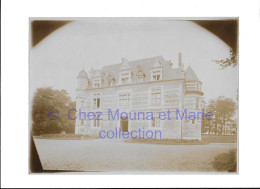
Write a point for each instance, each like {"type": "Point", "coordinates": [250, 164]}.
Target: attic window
{"type": "Point", "coordinates": [124, 78]}
{"type": "Point", "coordinates": [156, 75]}
{"type": "Point", "coordinates": [110, 83]}
{"type": "Point", "coordinates": [110, 80]}
{"type": "Point", "coordinates": [140, 76]}
{"type": "Point", "coordinates": [97, 83]}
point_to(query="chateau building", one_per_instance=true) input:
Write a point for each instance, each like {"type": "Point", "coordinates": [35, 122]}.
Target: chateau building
{"type": "Point", "coordinates": [138, 87]}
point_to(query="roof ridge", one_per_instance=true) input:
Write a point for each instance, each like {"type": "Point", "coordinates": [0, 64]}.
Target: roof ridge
{"type": "Point", "coordinates": [160, 56]}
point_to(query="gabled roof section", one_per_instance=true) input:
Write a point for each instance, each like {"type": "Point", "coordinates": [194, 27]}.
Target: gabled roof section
{"type": "Point", "coordinates": [168, 72]}
{"type": "Point", "coordinates": [190, 75]}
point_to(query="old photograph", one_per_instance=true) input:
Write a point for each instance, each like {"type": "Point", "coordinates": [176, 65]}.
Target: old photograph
{"type": "Point", "coordinates": [134, 95]}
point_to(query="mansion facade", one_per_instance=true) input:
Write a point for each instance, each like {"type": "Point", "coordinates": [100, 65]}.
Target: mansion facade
{"type": "Point", "coordinates": [147, 85]}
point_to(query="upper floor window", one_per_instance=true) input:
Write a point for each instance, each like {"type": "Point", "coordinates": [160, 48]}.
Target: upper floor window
{"type": "Point", "coordinates": [81, 85]}
{"type": "Point", "coordinates": [198, 86]}
{"type": "Point", "coordinates": [156, 96]}
{"type": "Point", "coordinates": [156, 75]}
{"type": "Point", "coordinates": [96, 101]}
{"type": "Point", "coordinates": [124, 99]}
{"type": "Point", "coordinates": [82, 104]}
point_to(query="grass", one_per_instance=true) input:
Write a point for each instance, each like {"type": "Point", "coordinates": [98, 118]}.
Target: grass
{"type": "Point", "coordinates": [97, 155]}
{"type": "Point", "coordinates": [165, 141]}
{"type": "Point", "coordinates": [66, 136]}
{"type": "Point", "coordinates": [226, 161]}
{"type": "Point", "coordinates": [205, 139]}
{"type": "Point", "coordinates": [219, 139]}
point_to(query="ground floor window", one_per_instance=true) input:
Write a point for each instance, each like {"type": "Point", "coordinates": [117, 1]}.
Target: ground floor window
{"type": "Point", "coordinates": [96, 122]}
{"type": "Point", "coordinates": [155, 122]}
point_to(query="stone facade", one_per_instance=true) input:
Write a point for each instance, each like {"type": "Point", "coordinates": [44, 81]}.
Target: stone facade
{"type": "Point", "coordinates": [147, 85]}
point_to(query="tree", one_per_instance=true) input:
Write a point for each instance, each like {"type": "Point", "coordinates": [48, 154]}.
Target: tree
{"type": "Point", "coordinates": [228, 62]}
{"type": "Point", "coordinates": [223, 110]}
{"type": "Point", "coordinates": [46, 99]}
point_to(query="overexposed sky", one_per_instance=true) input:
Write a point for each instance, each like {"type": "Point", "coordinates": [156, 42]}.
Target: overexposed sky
{"type": "Point", "coordinates": [95, 42]}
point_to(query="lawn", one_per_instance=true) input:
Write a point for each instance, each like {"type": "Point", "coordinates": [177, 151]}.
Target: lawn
{"type": "Point", "coordinates": [118, 156]}
{"type": "Point", "coordinates": [218, 139]}
{"type": "Point", "coordinates": [66, 136]}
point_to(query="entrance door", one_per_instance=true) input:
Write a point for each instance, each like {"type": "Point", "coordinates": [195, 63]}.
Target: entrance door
{"type": "Point", "coordinates": [123, 124]}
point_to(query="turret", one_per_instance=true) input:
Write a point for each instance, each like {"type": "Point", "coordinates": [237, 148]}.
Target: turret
{"type": "Point", "coordinates": [193, 84]}
{"type": "Point", "coordinates": [82, 80]}
{"type": "Point", "coordinates": [191, 129]}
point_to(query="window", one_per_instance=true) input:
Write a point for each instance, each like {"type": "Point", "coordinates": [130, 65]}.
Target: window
{"type": "Point", "coordinates": [124, 99]}
{"type": "Point", "coordinates": [156, 75]}
{"type": "Point", "coordinates": [156, 96]}
{"type": "Point", "coordinates": [140, 76]}
{"type": "Point", "coordinates": [140, 79]}
{"type": "Point", "coordinates": [96, 122]}
{"type": "Point", "coordinates": [110, 80]}
{"type": "Point", "coordinates": [155, 122]}
{"type": "Point", "coordinates": [97, 83]}
{"type": "Point", "coordinates": [82, 104]}
{"type": "Point", "coordinates": [110, 83]}
{"type": "Point", "coordinates": [96, 101]}
{"type": "Point", "coordinates": [125, 78]}
{"type": "Point", "coordinates": [82, 121]}
{"type": "Point", "coordinates": [82, 85]}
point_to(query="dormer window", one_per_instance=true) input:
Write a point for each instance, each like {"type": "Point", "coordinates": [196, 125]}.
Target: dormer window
{"type": "Point", "coordinates": [97, 83]}
{"type": "Point", "coordinates": [140, 79]}
{"type": "Point", "coordinates": [110, 83]}
{"type": "Point", "coordinates": [156, 75]}
{"type": "Point", "coordinates": [110, 80]}
{"type": "Point", "coordinates": [125, 78]}
{"type": "Point", "coordinates": [140, 75]}
{"type": "Point", "coordinates": [125, 73]}
{"type": "Point", "coordinates": [156, 71]}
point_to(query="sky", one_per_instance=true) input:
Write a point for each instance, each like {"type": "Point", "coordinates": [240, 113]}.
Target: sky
{"type": "Point", "coordinates": [95, 42]}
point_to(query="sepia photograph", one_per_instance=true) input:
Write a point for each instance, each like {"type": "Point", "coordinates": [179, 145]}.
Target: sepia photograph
{"type": "Point", "coordinates": [135, 95]}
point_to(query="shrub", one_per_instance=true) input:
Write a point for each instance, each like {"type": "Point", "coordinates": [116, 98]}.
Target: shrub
{"type": "Point", "coordinates": [226, 161]}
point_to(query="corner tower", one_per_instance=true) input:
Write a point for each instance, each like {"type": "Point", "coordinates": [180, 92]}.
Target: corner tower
{"type": "Point", "coordinates": [80, 125]}
{"type": "Point", "coordinates": [192, 103]}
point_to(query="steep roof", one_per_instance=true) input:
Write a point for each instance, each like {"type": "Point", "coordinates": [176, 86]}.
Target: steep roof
{"type": "Point", "coordinates": [190, 75]}
{"type": "Point", "coordinates": [146, 65]}
{"type": "Point", "coordinates": [83, 73]}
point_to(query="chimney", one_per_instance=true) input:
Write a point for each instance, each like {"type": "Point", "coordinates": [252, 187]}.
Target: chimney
{"type": "Point", "coordinates": [124, 60]}
{"type": "Point", "coordinates": [180, 63]}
